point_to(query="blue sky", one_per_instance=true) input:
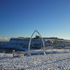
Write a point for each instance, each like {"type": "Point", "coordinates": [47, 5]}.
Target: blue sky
{"type": "Point", "coordinates": [19, 18]}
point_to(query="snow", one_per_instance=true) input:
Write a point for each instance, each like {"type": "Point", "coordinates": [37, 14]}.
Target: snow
{"type": "Point", "coordinates": [54, 60]}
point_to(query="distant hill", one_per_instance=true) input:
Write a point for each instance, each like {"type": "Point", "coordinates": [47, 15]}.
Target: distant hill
{"type": "Point", "coordinates": [52, 38]}
{"type": "Point", "coordinates": [2, 43]}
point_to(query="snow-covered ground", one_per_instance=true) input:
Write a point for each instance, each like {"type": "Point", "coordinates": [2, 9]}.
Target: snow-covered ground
{"type": "Point", "coordinates": [56, 59]}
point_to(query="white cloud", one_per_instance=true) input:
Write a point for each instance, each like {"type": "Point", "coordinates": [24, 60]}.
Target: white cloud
{"type": "Point", "coordinates": [4, 39]}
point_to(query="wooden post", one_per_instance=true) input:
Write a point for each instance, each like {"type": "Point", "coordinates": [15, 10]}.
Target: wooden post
{"type": "Point", "coordinates": [0, 67]}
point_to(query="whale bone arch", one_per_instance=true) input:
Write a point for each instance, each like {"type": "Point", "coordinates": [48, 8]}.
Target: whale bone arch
{"type": "Point", "coordinates": [30, 42]}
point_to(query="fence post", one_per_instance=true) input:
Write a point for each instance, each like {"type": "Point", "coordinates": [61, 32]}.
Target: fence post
{"type": "Point", "coordinates": [13, 52]}
{"type": "Point", "coordinates": [1, 67]}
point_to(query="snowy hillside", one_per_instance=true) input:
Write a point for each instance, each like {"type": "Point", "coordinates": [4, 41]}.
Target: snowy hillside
{"type": "Point", "coordinates": [53, 60]}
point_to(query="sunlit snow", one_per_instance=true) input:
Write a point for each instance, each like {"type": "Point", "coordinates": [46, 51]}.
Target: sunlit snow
{"type": "Point", "coordinates": [53, 60]}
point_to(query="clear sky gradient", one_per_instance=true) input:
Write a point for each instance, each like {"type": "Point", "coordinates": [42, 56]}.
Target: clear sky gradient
{"type": "Point", "coordinates": [19, 18]}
